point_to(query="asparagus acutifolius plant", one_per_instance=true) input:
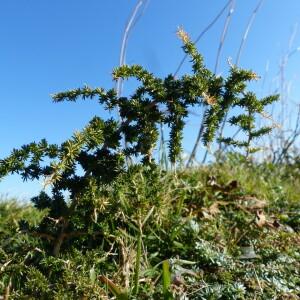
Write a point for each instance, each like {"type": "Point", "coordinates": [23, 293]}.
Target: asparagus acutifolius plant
{"type": "Point", "coordinates": [97, 204]}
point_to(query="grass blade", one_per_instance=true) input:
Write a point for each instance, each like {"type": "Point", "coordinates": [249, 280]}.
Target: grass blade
{"type": "Point", "coordinates": [166, 279]}
{"type": "Point", "coordinates": [137, 266]}
{"type": "Point", "coordinates": [113, 288]}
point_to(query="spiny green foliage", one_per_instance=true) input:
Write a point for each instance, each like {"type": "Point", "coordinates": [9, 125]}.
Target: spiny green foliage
{"type": "Point", "coordinates": [101, 138]}
{"type": "Point", "coordinates": [113, 208]}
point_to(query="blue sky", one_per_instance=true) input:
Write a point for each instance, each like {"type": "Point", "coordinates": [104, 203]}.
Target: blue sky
{"type": "Point", "coordinates": [54, 45]}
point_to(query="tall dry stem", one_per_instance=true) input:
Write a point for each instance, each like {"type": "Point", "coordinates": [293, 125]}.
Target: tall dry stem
{"type": "Point", "coordinates": [201, 129]}
{"type": "Point", "coordinates": [238, 59]}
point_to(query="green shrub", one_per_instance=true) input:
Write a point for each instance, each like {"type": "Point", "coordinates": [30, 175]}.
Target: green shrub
{"type": "Point", "coordinates": [132, 230]}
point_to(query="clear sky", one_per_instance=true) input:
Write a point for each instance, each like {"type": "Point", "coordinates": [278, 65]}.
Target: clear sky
{"type": "Point", "coordinates": [54, 45]}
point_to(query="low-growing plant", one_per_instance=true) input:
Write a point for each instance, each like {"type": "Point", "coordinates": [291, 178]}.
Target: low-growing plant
{"type": "Point", "coordinates": [125, 218]}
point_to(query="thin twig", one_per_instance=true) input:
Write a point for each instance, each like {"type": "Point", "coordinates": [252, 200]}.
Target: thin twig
{"type": "Point", "coordinates": [224, 34]}
{"type": "Point", "coordinates": [200, 133]}
{"type": "Point", "coordinates": [280, 149]}
{"type": "Point", "coordinates": [138, 18]}
{"type": "Point", "coordinates": [238, 59]}
{"type": "Point", "coordinates": [46, 236]}
{"type": "Point", "coordinates": [122, 61]}
{"type": "Point", "coordinates": [218, 56]}
{"type": "Point", "coordinates": [126, 38]}
{"type": "Point", "coordinates": [123, 49]}
{"type": "Point", "coordinates": [193, 154]}
{"type": "Point", "coordinates": [201, 34]}
{"type": "Point", "coordinates": [247, 31]}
